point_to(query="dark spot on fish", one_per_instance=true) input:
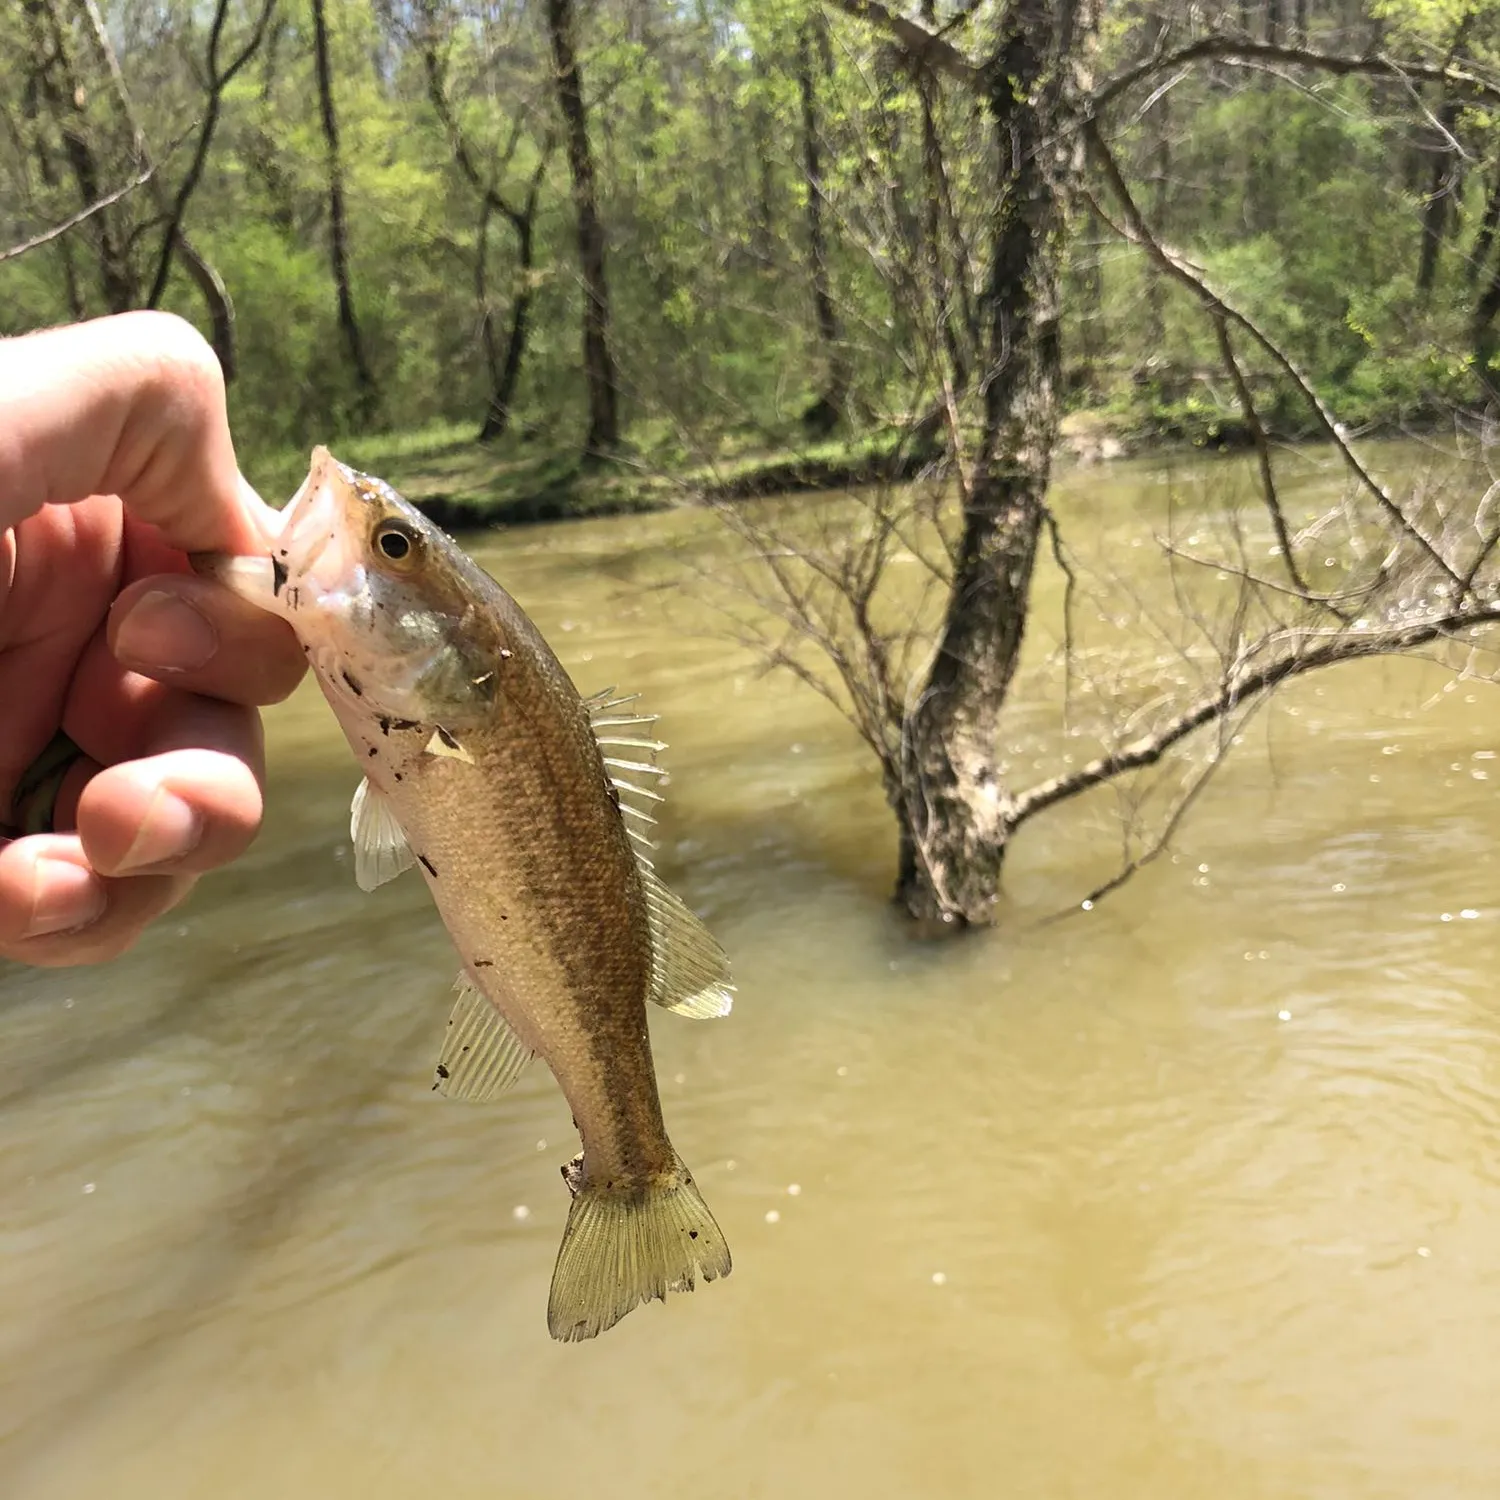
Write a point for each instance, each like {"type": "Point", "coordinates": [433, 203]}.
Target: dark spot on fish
{"type": "Point", "coordinates": [387, 724]}
{"type": "Point", "coordinates": [399, 776]}
{"type": "Point", "coordinates": [428, 865]}
{"type": "Point", "coordinates": [466, 1046]}
{"type": "Point", "coordinates": [692, 1234]}
{"type": "Point", "coordinates": [442, 1071]}
{"type": "Point", "coordinates": [278, 574]}
{"type": "Point", "coordinates": [374, 749]}
{"type": "Point", "coordinates": [485, 963]}
{"type": "Point", "coordinates": [354, 687]}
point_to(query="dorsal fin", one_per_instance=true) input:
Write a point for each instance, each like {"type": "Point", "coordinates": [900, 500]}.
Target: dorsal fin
{"type": "Point", "coordinates": [689, 970]}
{"type": "Point", "coordinates": [481, 1056]}
{"type": "Point", "coordinates": [381, 852]}
{"type": "Point", "coordinates": [608, 717]}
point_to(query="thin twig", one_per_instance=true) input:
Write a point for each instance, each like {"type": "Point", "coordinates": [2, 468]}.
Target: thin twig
{"type": "Point", "coordinates": [58, 230]}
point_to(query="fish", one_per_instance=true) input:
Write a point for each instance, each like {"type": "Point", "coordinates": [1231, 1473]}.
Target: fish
{"type": "Point", "coordinates": [527, 809]}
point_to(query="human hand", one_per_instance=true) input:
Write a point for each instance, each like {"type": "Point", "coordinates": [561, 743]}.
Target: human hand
{"type": "Point", "coordinates": [115, 463]}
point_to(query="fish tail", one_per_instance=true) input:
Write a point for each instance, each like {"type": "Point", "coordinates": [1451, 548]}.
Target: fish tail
{"type": "Point", "coordinates": [624, 1245]}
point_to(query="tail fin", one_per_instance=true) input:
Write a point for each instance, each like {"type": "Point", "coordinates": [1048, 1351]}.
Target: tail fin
{"type": "Point", "coordinates": [625, 1246]}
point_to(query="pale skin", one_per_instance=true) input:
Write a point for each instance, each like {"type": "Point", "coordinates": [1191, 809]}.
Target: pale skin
{"type": "Point", "coordinates": [115, 463]}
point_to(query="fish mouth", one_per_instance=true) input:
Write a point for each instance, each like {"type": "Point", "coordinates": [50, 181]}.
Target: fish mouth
{"type": "Point", "coordinates": [311, 524]}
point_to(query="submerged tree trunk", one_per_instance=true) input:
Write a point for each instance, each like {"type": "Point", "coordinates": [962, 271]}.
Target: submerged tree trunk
{"type": "Point", "coordinates": [598, 360]}
{"type": "Point", "coordinates": [950, 805]}
{"type": "Point", "coordinates": [368, 394]}
{"type": "Point", "coordinates": [829, 409]}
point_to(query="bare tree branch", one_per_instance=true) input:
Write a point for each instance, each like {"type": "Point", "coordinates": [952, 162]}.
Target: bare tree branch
{"type": "Point", "coordinates": [58, 230]}
{"type": "Point", "coordinates": [922, 46]}
{"type": "Point", "coordinates": [1257, 430]}
{"type": "Point", "coordinates": [1133, 227]}
{"type": "Point", "coordinates": [217, 83]}
{"type": "Point", "coordinates": [1240, 49]}
{"type": "Point", "coordinates": [1239, 686]}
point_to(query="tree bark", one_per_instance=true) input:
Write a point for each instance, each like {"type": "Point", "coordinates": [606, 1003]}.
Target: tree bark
{"type": "Point", "coordinates": [598, 360]}
{"type": "Point", "coordinates": [505, 369]}
{"type": "Point", "coordinates": [1488, 223]}
{"type": "Point", "coordinates": [951, 806]}
{"type": "Point", "coordinates": [61, 87]}
{"type": "Point", "coordinates": [828, 411]}
{"type": "Point", "coordinates": [367, 391]}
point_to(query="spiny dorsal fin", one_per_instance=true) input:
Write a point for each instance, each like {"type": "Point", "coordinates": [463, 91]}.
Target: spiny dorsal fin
{"type": "Point", "coordinates": [381, 852]}
{"type": "Point", "coordinates": [482, 1056]}
{"type": "Point", "coordinates": [608, 717]}
{"type": "Point", "coordinates": [689, 970]}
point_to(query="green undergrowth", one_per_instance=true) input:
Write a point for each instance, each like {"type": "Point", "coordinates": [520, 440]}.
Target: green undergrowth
{"type": "Point", "coordinates": [463, 484]}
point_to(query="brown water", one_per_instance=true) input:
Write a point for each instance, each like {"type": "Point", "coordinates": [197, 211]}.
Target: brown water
{"type": "Point", "coordinates": [1196, 1194]}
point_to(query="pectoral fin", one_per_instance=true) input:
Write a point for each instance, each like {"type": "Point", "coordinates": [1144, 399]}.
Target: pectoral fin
{"type": "Point", "coordinates": [689, 970]}
{"type": "Point", "coordinates": [482, 1056]}
{"type": "Point", "coordinates": [381, 852]}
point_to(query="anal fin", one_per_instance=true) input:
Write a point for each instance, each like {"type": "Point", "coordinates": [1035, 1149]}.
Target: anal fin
{"type": "Point", "coordinates": [482, 1056]}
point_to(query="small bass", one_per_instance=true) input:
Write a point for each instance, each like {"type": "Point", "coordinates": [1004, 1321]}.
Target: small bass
{"type": "Point", "coordinates": [516, 798]}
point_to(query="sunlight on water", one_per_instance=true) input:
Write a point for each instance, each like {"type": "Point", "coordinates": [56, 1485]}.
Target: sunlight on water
{"type": "Point", "coordinates": [1197, 1193]}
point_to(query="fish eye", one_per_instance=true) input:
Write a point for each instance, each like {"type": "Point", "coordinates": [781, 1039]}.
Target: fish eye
{"type": "Point", "coordinates": [396, 542]}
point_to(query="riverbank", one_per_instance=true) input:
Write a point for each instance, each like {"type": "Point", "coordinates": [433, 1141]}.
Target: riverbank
{"type": "Point", "coordinates": [462, 484]}
{"type": "Point", "coordinates": [465, 485]}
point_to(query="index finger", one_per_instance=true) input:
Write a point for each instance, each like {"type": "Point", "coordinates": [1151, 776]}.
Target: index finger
{"type": "Point", "coordinates": [133, 406]}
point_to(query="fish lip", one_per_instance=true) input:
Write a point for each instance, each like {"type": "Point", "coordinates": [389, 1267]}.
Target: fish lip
{"type": "Point", "coordinates": [305, 533]}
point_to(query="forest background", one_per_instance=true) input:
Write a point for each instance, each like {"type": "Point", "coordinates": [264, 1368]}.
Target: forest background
{"type": "Point", "coordinates": [702, 234]}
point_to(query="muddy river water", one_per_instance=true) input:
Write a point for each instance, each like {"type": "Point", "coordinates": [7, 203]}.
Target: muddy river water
{"type": "Point", "coordinates": [1196, 1194]}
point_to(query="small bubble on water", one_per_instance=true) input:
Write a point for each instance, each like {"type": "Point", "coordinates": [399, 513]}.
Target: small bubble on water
{"type": "Point", "coordinates": [1480, 775]}
{"type": "Point", "coordinates": [1283, 1015]}
{"type": "Point", "coordinates": [773, 1216]}
{"type": "Point", "coordinates": [793, 1189]}
{"type": "Point", "coordinates": [1423, 1251]}
{"type": "Point", "coordinates": [1468, 914]}
{"type": "Point", "coordinates": [1447, 916]}
{"type": "Point", "coordinates": [1087, 905]}
{"type": "Point", "coordinates": [797, 749]}
{"type": "Point", "coordinates": [893, 966]}
{"type": "Point", "coordinates": [1457, 765]}
{"type": "Point", "coordinates": [940, 1278]}
{"type": "Point", "coordinates": [842, 1072]}
{"type": "Point", "coordinates": [1203, 869]}
{"type": "Point", "coordinates": [679, 1078]}
{"type": "Point", "coordinates": [585, 656]}
{"type": "Point", "coordinates": [1390, 749]}
{"type": "Point", "coordinates": [1339, 885]}
{"type": "Point", "coordinates": [89, 1187]}
{"type": "Point", "coordinates": [730, 1165]}
{"type": "Point", "coordinates": [1374, 778]}
{"type": "Point", "coordinates": [1483, 755]}
{"type": "Point", "coordinates": [541, 1145]}
{"type": "Point", "coordinates": [520, 1213]}
{"type": "Point", "coordinates": [68, 1003]}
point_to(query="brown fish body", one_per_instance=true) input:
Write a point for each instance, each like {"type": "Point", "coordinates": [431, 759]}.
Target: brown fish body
{"type": "Point", "coordinates": [484, 767]}
{"type": "Point", "coordinates": [529, 864]}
